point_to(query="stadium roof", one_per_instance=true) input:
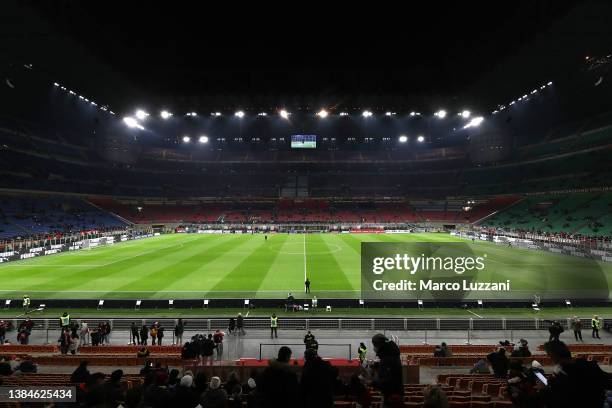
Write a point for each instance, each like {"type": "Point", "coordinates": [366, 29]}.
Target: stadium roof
{"type": "Point", "coordinates": [190, 56]}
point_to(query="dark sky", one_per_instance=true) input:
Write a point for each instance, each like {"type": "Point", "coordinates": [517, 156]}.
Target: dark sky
{"type": "Point", "coordinates": [396, 53]}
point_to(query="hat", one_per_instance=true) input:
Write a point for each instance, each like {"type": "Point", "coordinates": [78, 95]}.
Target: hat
{"type": "Point", "coordinates": [215, 383]}
{"type": "Point", "coordinates": [187, 381]}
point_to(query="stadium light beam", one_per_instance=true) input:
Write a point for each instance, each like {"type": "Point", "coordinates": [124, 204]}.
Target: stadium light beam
{"type": "Point", "coordinates": [366, 114]}
{"type": "Point", "coordinates": [465, 114]}
{"type": "Point", "coordinates": [132, 123]}
{"type": "Point", "coordinates": [475, 122]}
{"type": "Point", "coordinates": [284, 114]}
{"type": "Point", "coordinates": [239, 114]}
{"type": "Point", "coordinates": [322, 114]}
{"type": "Point", "coordinates": [165, 114]}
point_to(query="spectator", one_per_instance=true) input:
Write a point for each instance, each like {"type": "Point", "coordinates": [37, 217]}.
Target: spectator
{"type": "Point", "coordinates": [95, 337]}
{"type": "Point", "coordinates": [134, 395]}
{"type": "Point", "coordinates": [235, 397]}
{"type": "Point", "coordinates": [499, 363]}
{"type": "Point", "coordinates": [438, 352]}
{"type": "Point", "coordinates": [521, 386]}
{"type": "Point", "coordinates": [153, 333]}
{"type": "Point", "coordinates": [575, 382]}
{"type": "Point", "coordinates": [362, 352]}
{"type": "Point", "coordinates": [2, 331]}
{"type": "Point", "coordinates": [358, 392]}
{"type": "Point", "coordinates": [135, 334]}
{"type": "Point", "coordinates": [84, 334]}
{"type": "Point", "coordinates": [101, 333]}
{"type": "Point", "coordinates": [200, 383]}
{"type": "Point", "coordinates": [215, 396]}
{"type": "Point", "coordinates": [434, 397]}
{"type": "Point", "coordinates": [577, 328]}
{"type": "Point", "coordinates": [278, 385]}
{"type": "Point", "coordinates": [218, 340]}
{"type": "Point", "coordinates": [240, 324]}
{"type": "Point", "coordinates": [143, 353]}
{"type": "Point", "coordinates": [179, 329]}
{"type": "Point", "coordinates": [160, 334]}
{"type": "Point", "coordinates": [231, 327]}
{"type": "Point", "coordinates": [184, 394]}
{"type": "Point", "coordinates": [388, 372]}
{"type": "Point", "coordinates": [189, 351]}
{"type": "Point", "coordinates": [173, 379]}
{"type": "Point", "coordinates": [555, 331]}
{"type": "Point", "coordinates": [232, 380]}
{"type": "Point", "coordinates": [81, 374]}
{"type": "Point", "coordinates": [5, 367]}
{"type": "Point", "coordinates": [317, 382]}
{"type": "Point", "coordinates": [113, 391]}
{"type": "Point", "coordinates": [74, 344]}
{"type": "Point", "coordinates": [64, 341]}
{"type": "Point", "coordinates": [447, 352]}
{"type": "Point", "coordinates": [522, 350]}
{"type": "Point", "coordinates": [208, 348]}
{"type": "Point", "coordinates": [157, 395]}
{"type": "Point", "coordinates": [144, 335]}
{"type": "Point", "coordinates": [480, 367]}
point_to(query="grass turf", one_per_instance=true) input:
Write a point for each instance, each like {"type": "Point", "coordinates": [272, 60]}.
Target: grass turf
{"type": "Point", "coordinates": [246, 266]}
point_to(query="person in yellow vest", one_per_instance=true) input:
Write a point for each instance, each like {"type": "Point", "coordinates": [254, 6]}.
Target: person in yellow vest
{"type": "Point", "coordinates": [273, 326]}
{"type": "Point", "coordinates": [26, 302]}
{"type": "Point", "coordinates": [595, 325]}
{"type": "Point", "coordinates": [362, 352]}
{"type": "Point", "coordinates": [65, 320]}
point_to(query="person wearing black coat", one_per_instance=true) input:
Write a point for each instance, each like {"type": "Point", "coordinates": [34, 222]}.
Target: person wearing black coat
{"type": "Point", "coordinates": [135, 334]}
{"type": "Point", "coordinates": [388, 376]}
{"type": "Point", "coordinates": [144, 335]}
{"type": "Point", "coordinates": [499, 363]}
{"type": "Point", "coordinates": [317, 382]}
{"type": "Point", "coordinates": [277, 386]}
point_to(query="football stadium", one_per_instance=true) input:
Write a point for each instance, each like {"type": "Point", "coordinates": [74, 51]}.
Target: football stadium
{"type": "Point", "coordinates": [221, 207]}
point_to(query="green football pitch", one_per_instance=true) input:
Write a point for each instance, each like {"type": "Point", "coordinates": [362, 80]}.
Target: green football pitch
{"type": "Point", "coordinates": [200, 266]}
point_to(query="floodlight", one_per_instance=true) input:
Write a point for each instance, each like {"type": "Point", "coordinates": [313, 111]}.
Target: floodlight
{"type": "Point", "coordinates": [132, 123]}
{"type": "Point", "coordinates": [441, 114]}
{"type": "Point", "coordinates": [403, 139]}
{"type": "Point", "coordinates": [239, 114]}
{"type": "Point", "coordinates": [420, 139]}
{"type": "Point", "coordinates": [534, 91]}
{"type": "Point", "coordinates": [140, 114]}
{"type": "Point", "coordinates": [465, 114]}
{"type": "Point", "coordinates": [322, 114]}
{"type": "Point", "coordinates": [512, 102]}
{"type": "Point", "coordinates": [56, 84]}
{"type": "Point", "coordinates": [71, 92]}
{"type": "Point", "coordinates": [186, 139]}
{"type": "Point", "coordinates": [284, 114]}
{"type": "Point", "coordinates": [165, 114]}
{"type": "Point", "coordinates": [366, 114]}
{"type": "Point", "coordinates": [192, 114]}
{"type": "Point", "coordinates": [203, 139]}
{"type": "Point", "coordinates": [412, 113]}
{"type": "Point", "coordinates": [475, 122]}
{"type": "Point", "coordinates": [262, 114]}
{"type": "Point", "coordinates": [343, 113]}
{"type": "Point", "coordinates": [389, 113]}
{"type": "Point", "coordinates": [216, 113]}
{"type": "Point", "coordinates": [549, 83]}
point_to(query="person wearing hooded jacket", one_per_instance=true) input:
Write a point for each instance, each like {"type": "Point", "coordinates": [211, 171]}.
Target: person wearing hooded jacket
{"type": "Point", "coordinates": [277, 387]}
{"type": "Point", "coordinates": [388, 376]}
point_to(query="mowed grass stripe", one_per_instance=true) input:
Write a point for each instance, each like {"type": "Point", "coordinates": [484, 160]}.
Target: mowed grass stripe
{"type": "Point", "coordinates": [176, 266]}
{"type": "Point", "coordinates": [94, 278]}
{"type": "Point", "coordinates": [349, 264]}
{"type": "Point", "coordinates": [214, 264]}
{"type": "Point", "coordinates": [323, 269]}
{"type": "Point", "coordinates": [251, 271]}
{"type": "Point", "coordinates": [286, 274]}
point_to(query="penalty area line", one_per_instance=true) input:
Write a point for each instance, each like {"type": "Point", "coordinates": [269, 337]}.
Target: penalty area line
{"type": "Point", "coordinates": [476, 314]}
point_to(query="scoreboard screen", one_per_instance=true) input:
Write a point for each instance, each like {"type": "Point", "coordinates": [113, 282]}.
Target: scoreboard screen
{"type": "Point", "coordinates": [303, 141]}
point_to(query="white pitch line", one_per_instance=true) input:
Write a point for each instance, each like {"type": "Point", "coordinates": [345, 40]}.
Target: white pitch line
{"type": "Point", "coordinates": [305, 275]}
{"type": "Point", "coordinates": [475, 314]}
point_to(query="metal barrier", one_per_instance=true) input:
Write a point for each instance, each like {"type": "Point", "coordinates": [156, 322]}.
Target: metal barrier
{"type": "Point", "coordinates": [349, 358]}
{"type": "Point", "coordinates": [292, 323]}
